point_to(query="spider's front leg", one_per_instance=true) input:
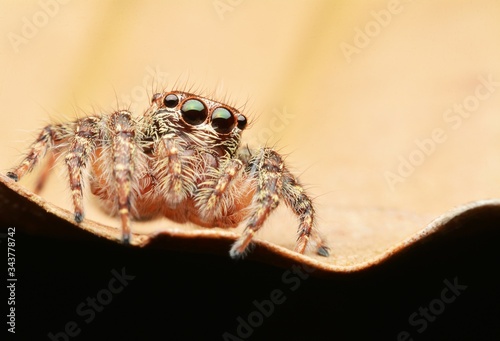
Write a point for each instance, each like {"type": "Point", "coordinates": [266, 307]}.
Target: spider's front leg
{"type": "Point", "coordinates": [274, 181]}
{"type": "Point", "coordinates": [217, 196]}
{"type": "Point", "coordinates": [124, 149]}
{"type": "Point", "coordinates": [81, 147]}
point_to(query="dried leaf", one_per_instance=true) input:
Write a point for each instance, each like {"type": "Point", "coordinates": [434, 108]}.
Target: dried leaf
{"type": "Point", "coordinates": [362, 238]}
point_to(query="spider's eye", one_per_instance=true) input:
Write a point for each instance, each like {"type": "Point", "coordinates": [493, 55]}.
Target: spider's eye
{"type": "Point", "coordinates": [222, 120]}
{"type": "Point", "coordinates": [156, 97]}
{"type": "Point", "coordinates": [242, 122]}
{"type": "Point", "coordinates": [171, 101]}
{"type": "Point", "coordinates": [194, 112]}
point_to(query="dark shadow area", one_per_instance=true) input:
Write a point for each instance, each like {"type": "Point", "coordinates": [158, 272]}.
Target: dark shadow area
{"type": "Point", "coordinates": [442, 289]}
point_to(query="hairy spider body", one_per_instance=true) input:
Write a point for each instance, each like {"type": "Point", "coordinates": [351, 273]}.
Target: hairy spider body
{"type": "Point", "coordinates": [182, 160]}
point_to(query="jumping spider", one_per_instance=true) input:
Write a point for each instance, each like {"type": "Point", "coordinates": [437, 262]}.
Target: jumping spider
{"type": "Point", "coordinates": [182, 159]}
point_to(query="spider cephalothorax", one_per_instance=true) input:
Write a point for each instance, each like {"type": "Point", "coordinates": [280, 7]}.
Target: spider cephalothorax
{"type": "Point", "coordinates": [182, 160]}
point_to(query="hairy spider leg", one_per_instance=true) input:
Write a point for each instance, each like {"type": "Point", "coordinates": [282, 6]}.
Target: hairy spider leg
{"type": "Point", "coordinates": [82, 145]}
{"type": "Point", "coordinates": [44, 174]}
{"type": "Point", "coordinates": [83, 137]}
{"type": "Point", "coordinates": [274, 181]}
{"type": "Point", "coordinates": [45, 140]}
{"type": "Point", "coordinates": [212, 199]}
{"type": "Point", "coordinates": [170, 170]}
{"type": "Point", "coordinates": [297, 200]}
{"type": "Point", "coordinates": [124, 147]}
{"type": "Point", "coordinates": [172, 167]}
{"type": "Point", "coordinates": [267, 168]}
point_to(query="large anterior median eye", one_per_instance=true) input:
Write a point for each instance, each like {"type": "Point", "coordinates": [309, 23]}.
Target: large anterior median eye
{"type": "Point", "coordinates": [222, 120]}
{"type": "Point", "coordinates": [194, 112]}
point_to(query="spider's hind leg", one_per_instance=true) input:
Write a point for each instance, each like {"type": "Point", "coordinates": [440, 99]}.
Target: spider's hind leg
{"type": "Point", "coordinates": [80, 136]}
{"type": "Point", "coordinates": [47, 169]}
{"type": "Point", "coordinates": [48, 138]}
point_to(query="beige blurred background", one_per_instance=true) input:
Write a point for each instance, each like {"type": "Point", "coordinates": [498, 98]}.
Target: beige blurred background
{"type": "Point", "coordinates": [345, 88]}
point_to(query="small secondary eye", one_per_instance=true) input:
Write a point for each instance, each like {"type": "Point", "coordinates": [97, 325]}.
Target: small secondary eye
{"type": "Point", "coordinates": [222, 120]}
{"type": "Point", "coordinates": [242, 122]}
{"type": "Point", "coordinates": [194, 112]}
{"type": "Point", "coordinates": [156, 97]}
{"type": "Point", "coordinates": [171, 101]}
